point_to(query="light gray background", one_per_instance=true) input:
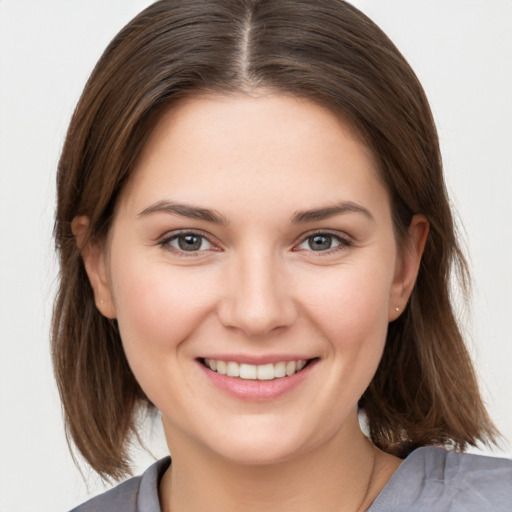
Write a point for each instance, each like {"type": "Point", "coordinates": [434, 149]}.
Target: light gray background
{"type": "Point", "coordinates": [462, 53]}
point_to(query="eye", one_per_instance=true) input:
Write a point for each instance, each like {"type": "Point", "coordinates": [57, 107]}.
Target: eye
{"type": "Point", "coordinates": [187, 242]}
{"type": "Point", "coordinates": [323, 242]}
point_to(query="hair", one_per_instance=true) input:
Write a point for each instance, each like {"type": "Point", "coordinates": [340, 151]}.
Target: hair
{"type": "Point", "coordinates": [424, 391]}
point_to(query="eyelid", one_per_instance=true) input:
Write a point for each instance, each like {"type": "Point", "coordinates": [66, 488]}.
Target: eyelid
{"type": "Point", "coordinates": [164, 242]}
{"type": "Point", "coordinates": [344, 240]}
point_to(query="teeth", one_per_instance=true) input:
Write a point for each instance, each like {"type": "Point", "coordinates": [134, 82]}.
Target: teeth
{"type": "Point", "coordinates": [248, 371]}
{"type": "Point", "coordinates": [280, 370]}
{"type": "Point", "coordinates": [233, 369]}
{"type": "Point", "coordinates": [291, 366]}
{"type": "Point", "coordinates": [256, 372]}
{"type": "Point", "coordinates": [266, 372]}
{"type": "Point", "coordinates": [221, 367]}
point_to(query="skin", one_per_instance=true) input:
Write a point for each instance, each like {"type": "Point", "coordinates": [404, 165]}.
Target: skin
{"type": "Point", "coordinates": [257, 288]}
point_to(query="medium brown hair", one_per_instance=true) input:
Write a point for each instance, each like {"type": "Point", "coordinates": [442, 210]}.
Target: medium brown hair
{"type": "Point", "coordinates": [425, 391]}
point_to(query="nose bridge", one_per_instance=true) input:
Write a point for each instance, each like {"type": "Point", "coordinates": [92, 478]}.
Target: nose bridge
{"type": "Point", "coordinates": [257, 298]}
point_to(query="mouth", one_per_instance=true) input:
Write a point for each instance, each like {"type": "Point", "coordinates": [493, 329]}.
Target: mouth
{"type": "Point", "coordinates": [265, 372]}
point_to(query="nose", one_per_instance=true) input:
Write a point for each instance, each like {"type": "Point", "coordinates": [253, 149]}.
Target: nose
{"type": "Point", "coordinates": [257, 297]}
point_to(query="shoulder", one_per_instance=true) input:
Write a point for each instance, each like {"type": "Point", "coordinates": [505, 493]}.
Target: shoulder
{"type": "Point", "coordinates": [432, 478]}
{"type": "Point", "coordinates": [138, 494]}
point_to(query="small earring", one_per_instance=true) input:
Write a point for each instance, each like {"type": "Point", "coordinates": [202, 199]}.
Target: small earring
{"type": "Point", "coordinates": [397, 309]}
{"type": "Point", "coordinates": [101, 301]}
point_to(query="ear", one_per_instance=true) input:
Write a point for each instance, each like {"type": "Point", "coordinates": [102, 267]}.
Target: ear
{"type": "Point", "coordinates": [94, 256]}
{"type": "Point", "coordinates": [408, 265]}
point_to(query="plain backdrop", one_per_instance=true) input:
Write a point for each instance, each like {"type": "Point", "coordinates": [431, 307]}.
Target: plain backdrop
{"type": "Point", "coordinates": [462, 53]}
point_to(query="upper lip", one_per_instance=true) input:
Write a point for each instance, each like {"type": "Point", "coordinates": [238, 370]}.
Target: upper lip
{"type": "Point", "coordinates": [257, 359]}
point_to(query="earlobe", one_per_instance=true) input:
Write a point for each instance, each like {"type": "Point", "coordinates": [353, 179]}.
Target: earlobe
{"type": "Point", "coordinates": [408, 265]}
{"type": "Point", "coordinates": [93, 256]}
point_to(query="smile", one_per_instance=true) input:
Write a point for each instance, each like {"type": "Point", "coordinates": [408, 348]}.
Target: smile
{"type": "Point", "coordinates": [245, 371]}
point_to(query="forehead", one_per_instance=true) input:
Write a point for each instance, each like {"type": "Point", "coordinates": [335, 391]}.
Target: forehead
{"type": "Point", "coordinates": [217, 148]}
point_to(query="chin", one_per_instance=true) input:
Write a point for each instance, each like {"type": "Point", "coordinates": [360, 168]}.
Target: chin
{"type": "Point", "coordinates": [268, 442]}
{"type": "Point", "coordinates": [258, 453]}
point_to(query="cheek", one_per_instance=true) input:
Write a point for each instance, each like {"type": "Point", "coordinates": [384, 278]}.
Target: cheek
{"type": "Point", "coordinates": [351, 302]}
{"type": "Point", "coordinates": [350, 310]}
{"type": "Point", "coordinates": [157, 306]}
{"type": "Point", "coordinates": [354, 320]}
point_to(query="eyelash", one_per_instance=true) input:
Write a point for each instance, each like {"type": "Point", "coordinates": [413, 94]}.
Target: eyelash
{"type": "Point", "coordinates": [165, 243]}
{"type": "Point", "coordinates": [343, 243]}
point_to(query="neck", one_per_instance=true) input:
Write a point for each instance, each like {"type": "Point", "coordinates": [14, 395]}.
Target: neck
{"type": "Point", "coordinates": [345, 474]}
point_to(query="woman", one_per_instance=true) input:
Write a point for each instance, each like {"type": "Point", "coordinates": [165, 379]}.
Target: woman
{"type": "Point", "coordinates": [255, 239]}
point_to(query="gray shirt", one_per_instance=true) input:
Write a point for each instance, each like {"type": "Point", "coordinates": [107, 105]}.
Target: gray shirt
{"type": "Point", "coordinates": [429, 480]}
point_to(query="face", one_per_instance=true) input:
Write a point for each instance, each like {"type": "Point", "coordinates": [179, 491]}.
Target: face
{"type": "Point", "coordinates": [253, 269]}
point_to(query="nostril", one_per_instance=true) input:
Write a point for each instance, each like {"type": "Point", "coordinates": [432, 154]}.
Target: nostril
{"type": "Point", "coordinates": [257, 317]}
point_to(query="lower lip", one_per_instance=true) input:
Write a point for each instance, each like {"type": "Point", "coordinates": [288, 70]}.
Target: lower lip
{"type": "Point", "coordinates": [257, 390]}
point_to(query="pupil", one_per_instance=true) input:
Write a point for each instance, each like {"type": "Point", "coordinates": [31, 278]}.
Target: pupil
{"type": "Point", "coordinates": [320, 242]}
{"type": "Point", "coordinates": [189, 242]}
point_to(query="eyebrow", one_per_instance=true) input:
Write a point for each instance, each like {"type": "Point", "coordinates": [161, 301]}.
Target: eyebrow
{"type": "Point", "coordinates": [300, 217]}
{"type": "Point", "coordinates": [316, 214]}
{"type": "Point", "coordinates": [185, 210]}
